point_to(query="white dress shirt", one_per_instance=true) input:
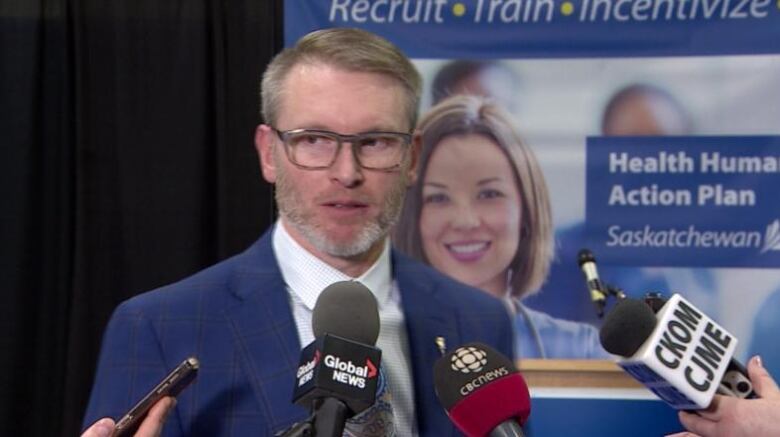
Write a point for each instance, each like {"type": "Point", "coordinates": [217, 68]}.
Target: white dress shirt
{"type": "Point", "coordinates": [306, 276]}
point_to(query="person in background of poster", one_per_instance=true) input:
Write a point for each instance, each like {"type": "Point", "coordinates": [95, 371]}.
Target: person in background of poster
{"type": "Point", "coordinates": [641, 109]}
{"type": "Point", "coordinates": [485, 78]}
{"type": "Point", "coordinates": [480, 213]}
{"type": "Point", "coordinates": [636, 109]}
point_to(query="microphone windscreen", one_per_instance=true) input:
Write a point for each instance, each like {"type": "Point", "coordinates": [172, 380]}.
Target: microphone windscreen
{"type": "Point", "coordinates": [480, 389]}
{"type": "Point", "coordinates": [349, 310]}
{"type": "Point", "coordinates": [627, 327]}
{"type": "Point", "coordinates": [585, 256]}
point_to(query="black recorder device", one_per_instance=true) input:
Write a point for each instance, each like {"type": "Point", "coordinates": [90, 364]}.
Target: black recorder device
{"type": "Point", "coordinates": [171, 385]}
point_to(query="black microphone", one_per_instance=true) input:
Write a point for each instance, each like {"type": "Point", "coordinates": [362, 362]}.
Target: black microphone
{"type": "Point", "coordinates": [627, 327]}
{"type": "Point", "coordinates": [482, 391]}
{"type": "Point", "coordinates": [679, 353]}
{"type": "Point", "coordinates": [339, 371]}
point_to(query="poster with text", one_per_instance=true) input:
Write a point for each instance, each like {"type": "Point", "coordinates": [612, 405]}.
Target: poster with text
{"type": "Point", "coordinates": [656, 125]}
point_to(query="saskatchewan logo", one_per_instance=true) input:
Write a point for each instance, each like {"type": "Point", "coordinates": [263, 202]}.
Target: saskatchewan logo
{"type": "Point", "coordinates": [772, 237]}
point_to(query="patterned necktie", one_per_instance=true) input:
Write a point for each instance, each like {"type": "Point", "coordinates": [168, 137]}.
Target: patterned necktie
{"type": "Point", "coordinates": [378, 420]}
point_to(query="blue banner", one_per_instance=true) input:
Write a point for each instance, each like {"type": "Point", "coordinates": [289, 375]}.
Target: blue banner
{"type": "Point", "coordinates": [684, 201]}
{"type": "Point", "coordinates": [654, 122]}
{"type": "Point", "coordinates": [480, 29]}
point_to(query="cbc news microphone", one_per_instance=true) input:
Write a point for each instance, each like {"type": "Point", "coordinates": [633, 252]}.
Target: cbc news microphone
{"type": "Point", "coordinates": [482, 391]}
{"type": "Point", "coordinates": [339, 371]}
{"type": "Point", "coordinates": [679, 353]}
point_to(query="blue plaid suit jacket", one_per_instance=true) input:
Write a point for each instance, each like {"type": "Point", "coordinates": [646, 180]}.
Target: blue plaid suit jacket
{"type": "Point", "coordinates": [235, 317]}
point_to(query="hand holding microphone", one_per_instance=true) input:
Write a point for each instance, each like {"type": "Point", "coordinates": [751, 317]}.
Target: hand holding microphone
{"type": "Point", "coordinates": [679, 353]}
{"type": "Point", "coordinates": [482, 391]}
{"type": "Point", "coordinates": [733, 417]}
{"type": "Point", "coordinates": [686, 359]}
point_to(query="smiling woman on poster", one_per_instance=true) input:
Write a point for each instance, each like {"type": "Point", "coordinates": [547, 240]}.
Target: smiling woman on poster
{"type": "Point", "coordinates": [480, 213]}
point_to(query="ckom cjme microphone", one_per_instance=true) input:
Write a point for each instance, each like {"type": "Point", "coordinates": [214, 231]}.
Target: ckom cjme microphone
{"type": "Point", "coordinates": [482, 391]}
{"type": "Point", "coordinates": [679, 353]}
{"type": "Point", "coordinates": [339, 371]}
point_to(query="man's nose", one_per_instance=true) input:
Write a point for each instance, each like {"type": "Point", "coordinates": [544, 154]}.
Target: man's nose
{"type": "Point", "coordinates": [346, 169]}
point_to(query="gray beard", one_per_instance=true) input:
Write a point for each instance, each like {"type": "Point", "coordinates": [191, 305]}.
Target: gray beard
{"type": "Point", "coordinates": [292, 210]}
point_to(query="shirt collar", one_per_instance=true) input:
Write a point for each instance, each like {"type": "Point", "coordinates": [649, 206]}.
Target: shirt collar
{"type": "Point", "coordinates": [306, 275]}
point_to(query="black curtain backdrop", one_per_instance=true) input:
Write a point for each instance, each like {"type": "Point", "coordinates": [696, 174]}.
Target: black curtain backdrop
{"type": "Point", "coordinates": [127, 163]}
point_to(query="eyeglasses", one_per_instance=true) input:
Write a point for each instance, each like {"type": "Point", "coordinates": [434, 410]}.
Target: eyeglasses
{"type": "Point", "coordinates": [315, 149]}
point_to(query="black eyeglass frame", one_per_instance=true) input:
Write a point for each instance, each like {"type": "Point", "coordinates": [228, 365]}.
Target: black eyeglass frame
{"type": "Point", "coordinates": [340, 140]}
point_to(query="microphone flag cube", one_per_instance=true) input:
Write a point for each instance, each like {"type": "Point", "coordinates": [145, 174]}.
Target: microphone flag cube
{"type": "Point", "coordinates": [684, 359]}
{"type": "Point", "coordinates": [332, 366]}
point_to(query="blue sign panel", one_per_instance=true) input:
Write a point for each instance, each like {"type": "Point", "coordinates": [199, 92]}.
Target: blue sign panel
{"type": "Point", "coordinates": [684, 201]}
{"type": "Point", "coordinates": [550, 28]}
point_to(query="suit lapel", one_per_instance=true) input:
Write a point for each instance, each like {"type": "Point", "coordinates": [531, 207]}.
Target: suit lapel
{"type": "Point", "coordinates": [428, 315]}
{"type": "Point", "coordinates": [266, 334]}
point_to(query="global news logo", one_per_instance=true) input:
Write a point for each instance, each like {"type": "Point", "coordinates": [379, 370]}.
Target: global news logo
{"type": "Point", "coordinates": [772, 237]}
{"type": "Point", "coordinates": [306, 371]}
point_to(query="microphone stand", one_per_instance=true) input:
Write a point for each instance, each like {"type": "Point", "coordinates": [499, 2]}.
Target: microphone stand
{"type": "Point", "coordinates": [615, 292]}
{"type": "Point", "coordinates": [507, 429]}
{"type": "Point", "coordinates": [609, 291]}
{"type": "Point", "coordinates": [655, 300]}
{"type": "Point", "coordinates": [304, 428]}
{"type": "Point", "coordinates": [301, 429]}
{"type": "Point", "coordinates": [327, 420]}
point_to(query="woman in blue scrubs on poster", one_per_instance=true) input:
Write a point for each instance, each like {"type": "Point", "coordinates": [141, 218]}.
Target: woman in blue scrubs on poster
{"type": "Point", "coordinates": [480, 213]}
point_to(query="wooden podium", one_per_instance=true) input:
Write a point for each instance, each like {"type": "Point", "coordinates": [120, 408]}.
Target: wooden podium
{"type": "Point", "coordinates": [574, 373]}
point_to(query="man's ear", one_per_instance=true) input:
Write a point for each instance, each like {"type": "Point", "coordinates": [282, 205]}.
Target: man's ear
{"type": "Point", "coordinates": [265, 140]}
{"type": "Point", "coordinates": [414, 157]}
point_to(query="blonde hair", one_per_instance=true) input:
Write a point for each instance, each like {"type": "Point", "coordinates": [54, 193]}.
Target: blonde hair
{"type": "Point", "coordinates": [346, 48]}
{"type": "Point", "coordinates": [461, 115]}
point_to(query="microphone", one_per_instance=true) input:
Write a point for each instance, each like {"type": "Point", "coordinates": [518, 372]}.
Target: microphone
{"type": "Point", "coordinates": [338, 373]}
{"type": "Point", "coordinates": [679, 353]}
{"type": "Point", "coordinates": [482, 391]}
{"type": "Point", "coordinates": [598, 290]}
{"type": "Point", "coordinates": [598, 293]}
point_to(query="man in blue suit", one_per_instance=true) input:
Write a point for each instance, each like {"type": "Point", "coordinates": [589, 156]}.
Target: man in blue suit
{"type": "Point", "coordinates": [340, 107]}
